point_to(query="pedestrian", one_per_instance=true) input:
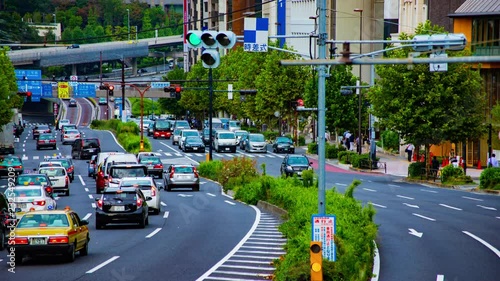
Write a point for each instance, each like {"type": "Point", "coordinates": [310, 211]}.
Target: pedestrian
{"type": "Point", "coordinates": [435, 164]}
{"type": "Point", "coordinates": [493, 162]}
{"type": "Point", "coordinates": [351, 141]}
{"type": "Point", "coordinates": [409, 149]}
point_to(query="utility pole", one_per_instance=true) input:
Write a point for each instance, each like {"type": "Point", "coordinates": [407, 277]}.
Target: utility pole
{"type": "Point", "coordinates": [321, 5]}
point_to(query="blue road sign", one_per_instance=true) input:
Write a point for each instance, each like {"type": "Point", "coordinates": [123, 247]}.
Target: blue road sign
{"type": "Point", "coordinates": [256, 34]}
{"type": "Point", "coordinates": [281, 24]}
{"type": "Point", "coordinates": [47, 90]}
{"type": "Point", "coordinates": [29, 81]}
{"type": "Point", "coordinates": [159, 85]}
{"type": "Point", "coordinates": [84, 91]}
{"type": "Point", "coordinates": [323, 229]}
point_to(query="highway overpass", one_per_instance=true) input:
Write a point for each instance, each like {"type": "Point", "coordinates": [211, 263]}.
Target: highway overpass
{"type": "Point", "coordinates": [87, 53]}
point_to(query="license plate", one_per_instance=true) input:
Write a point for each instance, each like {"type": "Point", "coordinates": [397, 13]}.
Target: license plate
{"type": "Point", "coordinates": [183, 177]}
{"type": "Point", "coordinates": [299, 173]}
{"type": "Point", "coordinates": [91, 150]}
{"type": "Point", "coordinates": [21, 205]}
{"type": "Point", "coordinates": [150, 166]}
{"type": "Point", "coordinates": [227, 148]}
{"type": "Point", "coordinates": [195, 148]}
{"type": "Point", "coordinates": [38, 241]}
{"type": "Point", "coordinates": [46, 141]}
{"type": "Point", "coordinates": [118, 208]}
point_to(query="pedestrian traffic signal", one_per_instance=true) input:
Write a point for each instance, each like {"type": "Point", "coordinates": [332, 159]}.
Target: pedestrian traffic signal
{"type": "Point", "coordinates": [316, 261]}
{"type": "Point", "coordinates": [111, 88]}
{"type": "Point", "coordinates": [28, 96]}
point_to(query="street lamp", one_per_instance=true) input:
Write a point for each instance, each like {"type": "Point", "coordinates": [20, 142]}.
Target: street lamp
{"type": "Point", "coordinates": [128, 23]}
{"type": "Point", "coordinates": [358, 146]}
{"type": "Point", "coordinates": [55, 33]}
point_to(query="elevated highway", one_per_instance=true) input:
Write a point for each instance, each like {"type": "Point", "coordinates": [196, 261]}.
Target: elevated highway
{"type": "Point", "coordinates": [87, 53]}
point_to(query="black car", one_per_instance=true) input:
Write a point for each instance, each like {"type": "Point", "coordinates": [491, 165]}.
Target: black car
{"type": "Point", "coordinates": [46, 141]}
{"type": "Point", "coordinates": [206, 136]}
{"type": "Point", "coordinates": [193, 144]}
{"type": "Point", "coordinates": [283, 144]}
{"type": "Point", "coordinates": [85, 148]}
{"type": "Point", "coordinates": [294, 165]}
{"type": "Point", "coordinates": [122, 205]}
{"type": "Point", "coordinates": [72, 103]}
{"type": "Point", "coordinates": [7, 221]}
{"type": "Point", "coordinates": [40, 129]}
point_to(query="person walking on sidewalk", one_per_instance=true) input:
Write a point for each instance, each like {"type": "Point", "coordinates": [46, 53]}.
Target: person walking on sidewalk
{"type": "Point", "coordinates": [493, 162]}
{"type": "Point", "coordinates": [409, 149]}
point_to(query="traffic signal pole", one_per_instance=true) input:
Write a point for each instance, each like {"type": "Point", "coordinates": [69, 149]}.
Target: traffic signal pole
{"type": "Point", "coordinates": [210, 113]}
{"type": "Point", "coordinates": [322, 73]}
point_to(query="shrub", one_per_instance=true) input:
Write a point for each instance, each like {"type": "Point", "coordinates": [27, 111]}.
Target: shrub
{"type": "Point", "coordinates": [308, 178]}
{"type": "Point", "coordinates": [270, 135]}
{"type": "Point", "coordinates": [390, 140]}
{"type": "Point", "coordinates": [312, 148]}
{"type": "Point", "coordinates": [210, 169]}
{"type": "Point", "coordinates": [331, 151]}
{"type": "Point", "coordinates": [243, 167]}
{"type": "Point", "coordinates": [302, 141]}
{"type": "Point", "coordinates": [450, 172]}
{"type": "Point", "coordinates": [415, 169]}
{"type": "Point", "coordinates": [345, 156]}
{"type": "Point", "coordinates": [127, 134]}
{"type": "Point", "coordinates": [490, 178]}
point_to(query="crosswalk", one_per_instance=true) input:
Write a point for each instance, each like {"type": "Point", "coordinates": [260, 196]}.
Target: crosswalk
{"type": "Point", "coordinates": [220, 155]}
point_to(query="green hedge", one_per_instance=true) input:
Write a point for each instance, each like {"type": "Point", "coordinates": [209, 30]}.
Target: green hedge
{"type": "Point", "coordinates": [490, 178]}
{"type": "Point", "coordinates": [415, 169]}
{"type": "Point", "coordinates": [127, 134]}
{"type": "Point", "coordinates": [355, 227]}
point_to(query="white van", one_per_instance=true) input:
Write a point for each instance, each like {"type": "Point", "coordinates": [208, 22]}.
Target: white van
{"type": "Point", "coordinates": [234, 125]}
{"type": "Point", "coordinates": [216, 124]}
{"type": "Point", "coordinates": [126, 158]}
{"type": "Point", "coordinates": [225, 141]}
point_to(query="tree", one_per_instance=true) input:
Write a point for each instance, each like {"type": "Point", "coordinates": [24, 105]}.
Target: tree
{"type": "Point", "coordinates": [428, 108]}
{"type": "Point", "coordinates": [8, 88]}
{"type": "Point", "coordinates": [170, 105]}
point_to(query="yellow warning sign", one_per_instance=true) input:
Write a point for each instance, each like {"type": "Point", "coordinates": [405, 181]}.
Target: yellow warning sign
{"type": "Point", "coordinates": [63, 90]}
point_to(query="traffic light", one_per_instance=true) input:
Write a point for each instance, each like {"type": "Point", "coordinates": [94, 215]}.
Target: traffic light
{"type": "Point", "coordinates": [28, 96]}
{"type": "Point", "coordinates": [453, 41]}
{"type": "Point", "coordinates": [316, 261]}
{"type": "Point", "coordinates": [294, 104]}
{"type": "Point", "coordinates": [175, 91]}
{"type": "Point", "coordinates": [345, 92]}
{"type": "Point", "coordinates": [111, 88]}
{"type": "Point", "coordinates": [210, 40]}
{"type": "Point", "coordinates": [178, 91]}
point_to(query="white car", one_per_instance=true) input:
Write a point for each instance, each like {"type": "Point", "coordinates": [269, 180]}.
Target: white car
{"type": "Point", "coordinates": [70, 136]}
{"type": "Point", "coordinates": [148, 187]}
{"type": "Point", "coordinates": [62, 122]}
{"type": "Point", "coordinates": [49, 164]}
{"type": "Point", "coordinates": [58, 177]}
{"type": "Point", "coordinates": [27, 197]}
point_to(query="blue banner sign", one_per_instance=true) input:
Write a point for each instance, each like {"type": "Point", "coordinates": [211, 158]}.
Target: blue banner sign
{"type": "Point", "coordinates": [281, 24]}
{"type": "Point", "coordinates": [84, 91]}
{"type": "Point", "coordinates": [47, 90]}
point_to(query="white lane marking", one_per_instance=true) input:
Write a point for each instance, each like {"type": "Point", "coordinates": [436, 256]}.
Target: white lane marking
{"type": "Point", "coordinates": [340, 184]}
{"type": "Point", "coordinates": [24, 150]}
{"type": "Point", "coordinates": [498, 218]}
{"type": "Point", "coordinates": [440, 278]}
{"type": "Point", "coordinates": [412, 206]}
{"type": "Point", "coordinates": [487, 208]}
{"type": "Point", "coordinates": [431, 191]}
{"type": "Point", "coordinates": [184, 195]}
{"type": "Point", "coordinates": [416, 233]}
{"type": "Point", "coordinates": [24, 145]}
{"type": "Point", "coordinates": [394, 185]}
{"type": "Point", "coordinates": [93, 206]}
{"type": "Point", "coordinates": [488, 245]}
{"type": "Point", "coordinates": [210, 194]}
{"type": "Point", "coordinates": [470, 198]}
{"type": "Point", "coordinates": [236, 248]}
{"type": "Point", "coordinates": [447, 206]}
{"type": "Point", "coordinates": [81, 180]}
{"type": "Point", "coordinates": [87, 216]}
{"type": "Point", "coordinates": [102, 265]}
{"type": "Point", "coordinates": [25, 158]}
{"type": "Point", "coordinates": [376, 264]}
{"type": "Point", "coordinates": [90, 196]}
{"type": "Point", "coordinates": [424, 217]}
{"type": "Point", "coordinates": [367, 189]}
{"type": "Point", "coordinates": [229, 202]}
{"type": "Point", "coordinates": [163, 204]}
{"type": "Point", "coordinates": [153, 233]}
{"type": "Point", "coordinates": [377, 205]}
{"type": "Point", "coordinates": [36, 157]}
{"type": "Point", "coordinates": [165, 215]}
{"type": "Point", "coordinates": [86, 189]}
{"type": "Point", "coordinates": [168, 146]}
{"type": "Point", "coordinates": [405, 197]}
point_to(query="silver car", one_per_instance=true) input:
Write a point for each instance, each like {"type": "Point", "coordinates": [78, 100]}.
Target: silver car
{"type": "Point", "coordinates": [176, 136]}
{"type": "Point", "coordinates": [181, 176]}
{"type": "Point", "coordinates": [70, 136]}
{"type": "Point", "coordinates": [256, 143]}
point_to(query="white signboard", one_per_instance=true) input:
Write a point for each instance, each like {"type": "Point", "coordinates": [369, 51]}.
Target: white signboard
{"type": "Point", "coordinates": [323, 229]}
{"type": "Point", "coordinates": [159, 85]}
{"type": "Point", "coordinates": [73, 81]}
{"type": "Point", "coordinates": [256, 34]}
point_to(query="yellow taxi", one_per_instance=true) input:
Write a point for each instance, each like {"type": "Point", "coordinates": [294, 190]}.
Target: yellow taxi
{"type": "Point", "coordinates": [51, 232]}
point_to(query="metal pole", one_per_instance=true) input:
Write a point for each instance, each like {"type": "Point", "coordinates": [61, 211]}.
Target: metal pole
{"type": "Point", "coordinates": [100, 66]}
{"type": "Point", "coordinates": [210, 109]}
{"type": "Point", "coordinates": [141, 146]}
{"type": "Point", "coordinates": [321, 4]}
{"type": "Point", "coordinates": [123, 113]}
{"type": "Point", "coordinates": [128, 23]}
{"type": "Point", "coordinates": [55, 33]}
{"type": "Point", "coordinates": [107, 104]}
{"type": "Point", "coordinates": [373, 147]}
{"type": "Point", "coordinates": [360, 99]}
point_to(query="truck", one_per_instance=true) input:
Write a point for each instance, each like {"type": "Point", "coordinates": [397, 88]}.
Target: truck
{"type": "Point", "coordinates": [7, 141]}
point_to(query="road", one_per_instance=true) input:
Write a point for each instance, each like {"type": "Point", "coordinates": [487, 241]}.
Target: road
{"type": "Point", "coordinates": [425, 233]}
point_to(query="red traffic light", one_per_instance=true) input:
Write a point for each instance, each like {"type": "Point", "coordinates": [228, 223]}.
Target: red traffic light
{"type": "Point", "coordinates": [28, 94]}
{"type": "Point", "coordinates": [300, 102]}
{"type": "Point", "coordinates": [111, 87]}
{"type": "Point", "coordinates": [178, 89]}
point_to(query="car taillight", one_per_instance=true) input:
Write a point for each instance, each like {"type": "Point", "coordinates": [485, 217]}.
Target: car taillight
{"type": "Point", "coordinates": [156, 133]}
{"type": "Point", "coordinates": [20, 241]}
{"type": "Point", "coordinates": [153, 191]}
{"type": "Point", "coordinates": [172, 173]}
{"type": "Point", "coordinates": [195, 172]}
{"type": "Point", "coordinates": [2, 167]}
{"type": "Point", "coordinates": [18, 167]}
{"type": "Point", "coordinates": [58, 240]}
{"type": "Point", "coordinates": [138, 202]}
{"type": "Point", "coordinates": [67, 180]}
{"type": "Point", "coordinates": [52, 141]}
{"type": "Point", "coordinates": [66, 136]}
{"type": "Point", "coordinates": [39, 203]}
{"type": "Point", "coordinates": [157, 166]}
{"type": "Point", "coordinates": [70, 169]}
{"type": "Point", "coordinates": [99, 204]}
{"type": "Point", "coordinates": [77, 136]}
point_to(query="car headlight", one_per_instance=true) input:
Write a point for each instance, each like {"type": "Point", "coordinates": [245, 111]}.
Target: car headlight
{"type": "Point", "coordinates": [289, 168]}
{"type": "Point", "coordinates": [291, 146]}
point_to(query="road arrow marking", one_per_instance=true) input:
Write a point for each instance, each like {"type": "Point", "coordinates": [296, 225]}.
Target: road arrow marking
{"type": "Point", "coordinates": [416, 233]}
{"type": "Point", "coordinates": [184, 195]}
{"type": "Point", "coordinates": [440, 278]}
{"type": "Point", "coordinates": [447, 206]}
{"type": "Point", "coordinates": [377, 205]}
{"type": "Point", "coordinates": [487, 208]}
{"type": "Point", "coordinates": [470, 198]}
{"type": "Point", "coordinates": [405, 197]}
{"type": "Point", "coordinates": [488, 245]}
{"type": "Point", "coordinates": [411, 206]}
{"type": "Point", "coordinates": [367, 189]}
{"type": "Point", "coordinates": [424, 217]}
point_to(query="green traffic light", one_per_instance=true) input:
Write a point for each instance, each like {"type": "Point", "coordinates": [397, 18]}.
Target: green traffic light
{"type": "Point", "coordinates": [193, 39]}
